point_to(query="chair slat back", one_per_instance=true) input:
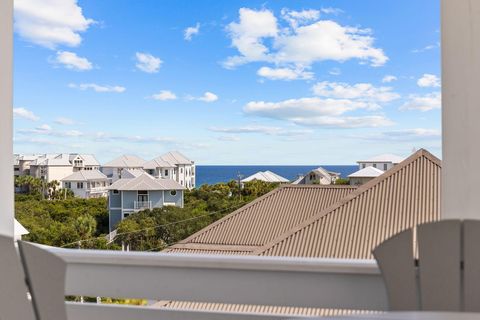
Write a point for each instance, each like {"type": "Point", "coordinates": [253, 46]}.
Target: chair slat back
{"type": "Point", "coordinates": [448, 273]}
{"type": "Point", "coordinates": [395, 261]}
{"type": "Point", "coordinates": [14, 303]}
{"type": "Point", "coordinates": [471, 265]}
{"type": "Point", "coordinates": [439, 255]}
{"type": "Point", "coordinates": [46, 278]}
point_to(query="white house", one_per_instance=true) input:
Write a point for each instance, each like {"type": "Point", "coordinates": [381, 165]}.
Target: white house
{"type": "Point", "coordinates": [130, 195]}
{"type": "Point", "coordinates": [382, 162]}
{"type": "Point", "coordinates": [318, 176]}
{"type": "Point", "coordinates": [267, 176]}
{"type": "Point", "coordinates": [21, 163]}
{"type": "Point", "coordinates": [364, 175]}
{"type": "Point", "coordinates": [114, 169]}
{"type": "Point", "coordinates": [51, 167]}
{"type": "Point", "coordinates": [87, 184]}
{"type": "Point", "coordinates": [173, 165]}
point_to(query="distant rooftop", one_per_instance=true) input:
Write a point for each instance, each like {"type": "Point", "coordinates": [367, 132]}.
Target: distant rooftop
{"type": "Point", "coordinates": [267, 176]}
{"type": "Point", "coordinates": [145, 182]}
{"type": "Point", "coordinates": [125, 161]}
{"type": "Point", "coordinates": [384, 158]}
{"type": "Point", "coordinates": [86, 175]}
{"type": "Point", "coordinates": [368, 172]}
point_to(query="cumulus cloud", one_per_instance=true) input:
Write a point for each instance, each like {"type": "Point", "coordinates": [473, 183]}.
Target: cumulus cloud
{"type": "Point", "coordinates": [429, 80]}
{"type": "Point", "coordinates": [25, 114]}
{"type": "Point", "coordinates": [191, 31]}
{"type": "Point", "coordinates": [423, 102]}
{"type": "Point", "coordinates": [284, 73]}
{"type": "Point", "coordinates": [72, 61]}
{"type": "Point", "coordinates": [389, 78]}
{"type": "Point", "coordinates": [50, 23]}
{"type": "Point", "coordinates": [359, 91]}
{"type": "Point", "coordinates": [331, 106]}
{"type": "Point", "coordinates": [164, 95]}
{"type": "Point", "coordinates": [304, 107]}
{"type": "Point", "coordinates": [208, 97]}
{"type": "Point", "coordinates": [147, 62]}
{"type": "Point", "coordinates": [97, 88]}
{"type": "Point", "coordinates": [258, 36]}
{"type": "Point", "coordinates": [297, 18]}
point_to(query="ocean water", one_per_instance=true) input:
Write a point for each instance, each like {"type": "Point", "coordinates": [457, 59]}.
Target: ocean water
{"type": "Point", "coordinates": [216, 174]}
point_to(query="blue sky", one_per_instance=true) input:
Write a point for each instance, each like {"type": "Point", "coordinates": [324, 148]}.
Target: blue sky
{"type": "Point", "coordinates": [228, 82]}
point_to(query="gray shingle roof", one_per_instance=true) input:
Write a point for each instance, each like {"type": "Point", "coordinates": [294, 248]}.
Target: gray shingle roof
{"type": "Point", "coordinates": [86, 175]}
{"type": "Point", "coordinates": [125, 161]}
{"type": "Point", "coordinates": [145, 182]}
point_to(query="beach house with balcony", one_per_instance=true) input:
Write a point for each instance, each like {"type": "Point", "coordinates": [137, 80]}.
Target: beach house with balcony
{"type": "Point", "coordinates": [318, 176]}
{"type": "Point", "coordinates": [141, 192]}
{"type": "Point", "coordinates": [49, 167]}
{"type": "Point", "coordinates": [383, 162]}
{"type": "Point", "coordinates": [173, 165]}
{"type": "Point", "coordinates": [115, 168]}
{"type": "Point", "coordinates": [87, 184]}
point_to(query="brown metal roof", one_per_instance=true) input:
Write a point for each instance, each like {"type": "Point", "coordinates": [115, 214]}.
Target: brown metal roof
{"type": "Point", "coordinates": [264, 219]}
{"type": "Point", "coordinates": [404, 196]}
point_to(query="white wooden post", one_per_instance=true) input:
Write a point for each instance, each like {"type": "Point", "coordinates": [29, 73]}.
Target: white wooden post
{"type": "Point", "coordinates": [461, 109]}
{"type": "Point", "coordinates": [6, 119]}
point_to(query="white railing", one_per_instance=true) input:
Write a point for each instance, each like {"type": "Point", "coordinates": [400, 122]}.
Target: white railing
{"type": "Point", "coordinates": [142, 205]}
{"type": "Point", "coordinates": [97, 189]}
{"type": "Point", "coordinates": [276, 281]}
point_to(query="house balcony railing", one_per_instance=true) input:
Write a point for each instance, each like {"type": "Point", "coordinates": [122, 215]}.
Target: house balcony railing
{"type": "Point", "coordinates": [266, 281]}
{"type": "Point", "coordinates": [98, 190]}
{"type": "Point", "coordinates": [142, 205]}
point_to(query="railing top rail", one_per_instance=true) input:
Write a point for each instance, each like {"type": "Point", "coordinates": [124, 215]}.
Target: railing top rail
{"type": "Point", "coordinates": [216, 261]}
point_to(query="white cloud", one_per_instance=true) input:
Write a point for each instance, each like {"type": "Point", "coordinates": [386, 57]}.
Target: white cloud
{"type": "Point", "coordinates": [247, 36]}
{"type": "Point", "coordinates": [429, 80]}
{"type": "Point", "coordinates": [148, 63]}
{"type": "Point", "coordinates": [25, 114]}
{"type": "Point", "coordinates": [164, 95]}
{"type": "Point", "coordinates": [50, 23]}
{"type": "Point", "coordinates": [305, 42]}
{"type": "Point", "coordinates": [347, 122]}
{"type": "Point", "coordinates": [191, 31]}
{"type": "Point", "coordinates": [47, 130]}
{"type": "Point", "coordinates": [228, 138]}
{"type": "Point", "coordinates": [70, 60]}
{"type": "Point", "coordinates": [297, 18]}
{"type": "Point", "coordinates": [284, 73]}
{"type": "Point", "coordinates": [304, 107]}
{"type": "Point", "coordinates": [360, 91]}
{"type": "Point", "coordinates": [389, 78]}
{"type": "Point", "coordinates": [268, 130]}
{"type": "Point", "coordinates": [97, 88]}
{"type": "Point", "coordinates": [414, 134]}
{"type": "Point", "coordinates": [64, 121]}
{"type": "Point", "coordinates": [208, 97]}
{"type": "Point", "coordinates": [426, 48]}
{"type": "Point", "coordinates": [335, 72]}
{"type": "Point", "coordinates": [423, 102]}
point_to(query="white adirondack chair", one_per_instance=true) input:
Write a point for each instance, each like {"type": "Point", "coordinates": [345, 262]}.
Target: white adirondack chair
{"type": "Point", "coordinates": [446, 274]}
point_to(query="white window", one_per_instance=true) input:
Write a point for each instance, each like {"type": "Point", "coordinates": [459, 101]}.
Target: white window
{"type": "Point", "coordinates": [385, 167]}
{"type": "Point", "coordinates": [374, 165]}
{"type": "Point", "coordinates": [115, 191]}
{"type": "Point", "coordinates": [79, 185]}
{"type": "Point", "coordinates": [166, 173]}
